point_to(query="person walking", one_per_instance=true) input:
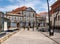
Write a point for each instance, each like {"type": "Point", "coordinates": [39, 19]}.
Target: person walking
{"type": "Point", "coordinates": [18, 25]}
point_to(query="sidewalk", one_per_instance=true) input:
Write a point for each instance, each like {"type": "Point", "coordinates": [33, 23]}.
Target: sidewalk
{"type": "Point", "coordinates": [5, 35]}
{"type": "Point", "coordinates": [28, 37]}
{"type": "Point", "coordinates": [55, 38]}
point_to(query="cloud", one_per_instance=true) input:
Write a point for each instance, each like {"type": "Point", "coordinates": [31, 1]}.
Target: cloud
{"type": "Point", "coordinates": [44, 6]}
{"type": "Point", "coordinates": [52, 1]}
{"type": "Point", "coordinates": [19, 4]}
{"type": "Point", "coordinates": [37, 5]}
{"type": "Point", "coordinates": [8, 8]}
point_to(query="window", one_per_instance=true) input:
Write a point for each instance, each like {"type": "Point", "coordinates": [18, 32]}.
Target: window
{"type": "Point", "coordinates": [17, 18]}
{"type": "Point", "coordinates": [33, 14]}
{"type": "Point", "coordinates": [20, 18]}
{"type": "Point", "coordinates": [27, 14]}
{"type": "Point", "coordinates": [24, 13]}
{"type": "Point", "coordinates": [11, 18]}
{"type": "Point", "coordinates": [19, 13]}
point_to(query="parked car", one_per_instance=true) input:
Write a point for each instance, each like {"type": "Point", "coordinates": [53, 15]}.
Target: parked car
{"type": "Point", "coordinates": [43, 28]}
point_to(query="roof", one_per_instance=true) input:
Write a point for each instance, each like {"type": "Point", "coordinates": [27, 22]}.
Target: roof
{"type": "Point", "coordinates": [30, 9]}
{"type": "Point", "coordinates": [57, 2]}
{"type": "Point", "coordinates": [19, 9]}
{"type": "Point", "coordinates": [37, 15]}
{"type": "Point", "coordinates": [54, 6]}
{"type": "Point", "coordinates": [23, 8]}
{"type": "Point", "coordinates": [43, 13]}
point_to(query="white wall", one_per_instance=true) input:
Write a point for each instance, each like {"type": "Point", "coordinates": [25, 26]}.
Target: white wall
{"type": "Point", "coordinates": [57, 22]}
{"type": "Point", "coordinates": [5, 26]}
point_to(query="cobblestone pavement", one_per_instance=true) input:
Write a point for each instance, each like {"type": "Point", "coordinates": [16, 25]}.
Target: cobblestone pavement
{"type": "Point", "coordinates": [28, 37]}
{"type": "Point", "coordinates": [56, 36]}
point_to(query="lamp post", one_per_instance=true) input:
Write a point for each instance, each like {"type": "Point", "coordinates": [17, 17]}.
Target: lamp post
{"type": "Point", "coordinates": [50, 30]}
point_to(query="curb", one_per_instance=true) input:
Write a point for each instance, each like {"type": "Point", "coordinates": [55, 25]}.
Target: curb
{"type": "Point", "coordinates": [7, 36]}
{"type": "Point", "coordinates": [50, 38]}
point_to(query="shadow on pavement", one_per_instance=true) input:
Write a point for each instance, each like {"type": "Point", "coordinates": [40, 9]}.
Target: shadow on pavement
{"type": "Point", "coordinates": [57, 30]}
{"type": "Point", "coordinates": [2, 34]}
{"type": "Point", "coordinates": [12, 30]}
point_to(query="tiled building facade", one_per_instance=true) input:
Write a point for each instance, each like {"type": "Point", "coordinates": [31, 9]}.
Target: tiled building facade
{"type": "Point", "coordinates": [55, 14]}
{"type": "Point", "coordinates": [24, 16]}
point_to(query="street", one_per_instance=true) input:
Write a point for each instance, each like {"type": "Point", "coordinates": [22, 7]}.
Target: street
{"type": "Point", "coordinates": [28, 37]}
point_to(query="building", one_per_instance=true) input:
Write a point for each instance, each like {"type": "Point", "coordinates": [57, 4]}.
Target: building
{"type": "Point", "coordinates": [24, 16]}
{"type": "Point", "coordinates": [3, 21]}
{"type": "Point", "coordinates": [1, 14]}
{"type": "Point", "coordinates": [42, 18]}
{"type": "Point", "coordinates": [55, 7]}
{"type": "Point", "coordinates": [1, 24]}
{"type": "Point", "coordinates": [55, 14]}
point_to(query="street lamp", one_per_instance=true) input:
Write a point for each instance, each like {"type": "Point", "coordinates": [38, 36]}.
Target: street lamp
{"type": "Point", "coordinates": [50, 31]}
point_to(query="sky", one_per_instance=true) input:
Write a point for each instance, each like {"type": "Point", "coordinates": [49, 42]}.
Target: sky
{"type": "Point", "coordinates": [37, 5]}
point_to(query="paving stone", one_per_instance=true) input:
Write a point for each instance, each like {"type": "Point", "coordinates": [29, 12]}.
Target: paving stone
{"type": "Point", "coordinates": [28, 37]}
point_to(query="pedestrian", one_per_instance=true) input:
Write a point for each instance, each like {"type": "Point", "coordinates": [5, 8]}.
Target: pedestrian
{"type": "Point", "coordinates": [24, 26]}
{"type": "Point", "coordinates": [18, 25]}
{"type": "Point", "coordinates": [28, 26]}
